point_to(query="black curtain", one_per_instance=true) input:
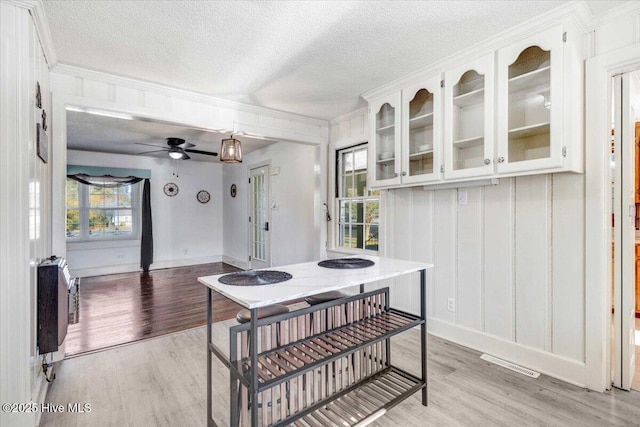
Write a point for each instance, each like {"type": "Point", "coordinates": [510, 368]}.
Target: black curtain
{"type": "Point", "coordinates": [146, 246]}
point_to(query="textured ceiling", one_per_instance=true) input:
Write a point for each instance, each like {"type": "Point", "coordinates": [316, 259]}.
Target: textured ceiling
{"type": "Point", "coordinates": [309, 57]}
{"type": "Point", "coordinates": [91, 132]}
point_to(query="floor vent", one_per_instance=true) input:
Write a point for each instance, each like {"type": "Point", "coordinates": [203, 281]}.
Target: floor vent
{"type": "Point", "coordinates": [512, 366]}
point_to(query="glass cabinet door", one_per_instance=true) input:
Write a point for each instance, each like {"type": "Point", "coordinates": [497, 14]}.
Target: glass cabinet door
{"type": "Point", "coordinates": [469, 119]}
{"type": "Point", "coordinates": [386, 141]}
{"type": "Point", "coordinates": [529, 99]}
{"type": "Point", "coordinates": [421, 132]}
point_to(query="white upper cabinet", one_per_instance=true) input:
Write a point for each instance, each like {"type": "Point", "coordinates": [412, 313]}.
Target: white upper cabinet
{"type": "Point", "coordinates": [384, 152]}
{"type": "Point", "coordinates": [530, 104]}
{"type": "Point", "coordinates": [421, 129]}
{"type": "Point", "coordinates": [469, 119]}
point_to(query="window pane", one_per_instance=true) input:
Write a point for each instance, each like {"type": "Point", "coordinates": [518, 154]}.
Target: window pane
{"type": "Point", "coordinates": [361, 184]}
{"type": "Point", "coordinates": [372, 214]}
{"type": "Point", "coordinates": [348, 186]}
{"type": "Point", "coordinates": [96, 197]}
{"type": "Point", "coordinates": [110, 198]}
{"type": "Point", "coordinates": [347, 162]}
{"type": "Point", "coordinates": [73, 222]}
{"type": "Point", "coordinates": [124, 222]}
{"type": "Point", "coordinates": [73, 195]}
{"type": "Point", "coordinates": [360, 160]}
{"type": "Point", "coordinates": [357, 236]}
{"type": "Point", "coordinates": [124, 196]}
{"type": "Point", "coordinates": [356, 211]}
{"type": "Point", "coordinates": [371, 237]}
{"type": "Point", "coordinates": [344, 211]}
{"type": "Point", "coordinates": [102, 222]}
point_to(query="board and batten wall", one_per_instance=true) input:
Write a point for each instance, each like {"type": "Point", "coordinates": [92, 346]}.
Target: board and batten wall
{"type": "Point", "coordinates": [512, 259]}
{"type": "Point", "coordinates": [25, 206]}
{"type": "Point", "coordinates": [185, 232]}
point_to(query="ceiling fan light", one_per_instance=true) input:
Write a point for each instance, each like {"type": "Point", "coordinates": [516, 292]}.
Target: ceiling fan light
{"type": "Point", "coordinates": [176, 154]}
{"type": "Point", "coordinates": [231, 151]}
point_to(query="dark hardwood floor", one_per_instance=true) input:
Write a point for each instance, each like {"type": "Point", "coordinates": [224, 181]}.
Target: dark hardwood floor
{"type": "Point", "coordinates": [120, 308]}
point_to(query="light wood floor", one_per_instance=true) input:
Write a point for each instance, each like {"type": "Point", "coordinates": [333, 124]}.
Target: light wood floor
{"type": "Point", "coordinates": [162, 382]}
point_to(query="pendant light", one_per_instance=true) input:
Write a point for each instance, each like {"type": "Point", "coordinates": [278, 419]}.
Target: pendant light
{"type": "Point", "coordinates": [231, 151]}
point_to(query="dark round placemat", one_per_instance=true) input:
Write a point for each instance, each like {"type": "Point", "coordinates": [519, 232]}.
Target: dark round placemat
{"type": "Point", "coordinates": [254, 278]}
{"type": "Point", "coordinates": [346, 263]}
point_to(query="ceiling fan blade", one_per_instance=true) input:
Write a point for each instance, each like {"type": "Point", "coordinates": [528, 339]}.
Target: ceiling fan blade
{"type": "Point", "coordinates": [149, 152]}
{"type": "Point", "coordinates": [186, 145]}
{"type": "Point", "coordinates": [185, 156]}
{"type": "Point", "coordinates": [207, 153]}
{"type": "Point", "coordinates": [150, 145]}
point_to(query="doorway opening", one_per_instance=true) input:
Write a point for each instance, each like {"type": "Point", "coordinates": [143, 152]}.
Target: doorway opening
{"type": "Point", "coordinates": [625, 181]}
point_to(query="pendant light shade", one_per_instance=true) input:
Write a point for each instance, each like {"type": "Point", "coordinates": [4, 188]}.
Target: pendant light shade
{"type": "Point", "coordinates": [231, 151]}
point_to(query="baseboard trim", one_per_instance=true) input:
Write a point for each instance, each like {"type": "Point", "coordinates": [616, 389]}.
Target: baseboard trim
{"type": "Point", "coordinates": [243, 265]}
{"type": "Point", "coordinates": [565, 369]}
{"type": "Point", "coordinates": [130, 268]}
{"type": "Point", "coordinates": [39, 395]}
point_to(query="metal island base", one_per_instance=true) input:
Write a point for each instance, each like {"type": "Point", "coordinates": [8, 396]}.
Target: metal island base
{"type": "Point", "coordinates": [326, 364]}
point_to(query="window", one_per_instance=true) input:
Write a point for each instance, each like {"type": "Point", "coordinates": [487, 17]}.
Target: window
{"type": "Point", "coordinates": [96, 212]}
{"type": "Point", "coordinates": [358, 207]}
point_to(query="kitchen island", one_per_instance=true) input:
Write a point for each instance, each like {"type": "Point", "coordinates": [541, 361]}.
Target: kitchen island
{"type": "Point", "coordinates": [326, 363]}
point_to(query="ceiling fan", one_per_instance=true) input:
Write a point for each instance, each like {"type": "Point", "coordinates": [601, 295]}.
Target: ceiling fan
{"type": "Point", "coordinates": [177, 149]}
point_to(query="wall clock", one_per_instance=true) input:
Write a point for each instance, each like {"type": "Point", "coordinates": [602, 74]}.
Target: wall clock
{"type": "Point", "coordinates": [170, 189]}
{"type": "Point", "coordinates": [203, 196]}
{"type": "Point", "coordinates": [233, 190]}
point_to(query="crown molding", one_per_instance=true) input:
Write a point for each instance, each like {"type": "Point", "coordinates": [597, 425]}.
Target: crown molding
{"type": "Point", "coordinates": [100, 76]}
{"type": "Point", "coordinates": [36, 9]}
{"type": "Point", "coordinates": [574, 10]}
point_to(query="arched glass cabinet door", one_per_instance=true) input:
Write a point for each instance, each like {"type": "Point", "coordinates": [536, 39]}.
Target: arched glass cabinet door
{"type": "Point", "coordinates": [530, 103]}
{"type": "Point", "coordinates": [469, 119]}
{"type": "Point", "coordinates": [385, 150]}
{"type": "Point", "coordinates": [421, 132]}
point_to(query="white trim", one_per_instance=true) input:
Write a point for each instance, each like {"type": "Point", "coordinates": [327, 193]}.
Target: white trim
{"type": "Point", "coordinates": [99, 76]}
{"type": "Point", "coordinates": [568, 370]}
{"type": "Point", "coordinates": [244, 265]}
{"type": "Point", "coordinates": [599, 70]}
{"type": "Point", "coordinates": [157, 265]}
{"type": "Point", "coordinates": [575, 10]}
{"type": "Point", "coordinates": [612, 15]}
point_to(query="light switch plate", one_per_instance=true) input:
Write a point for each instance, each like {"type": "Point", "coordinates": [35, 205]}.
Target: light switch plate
{"type": "Point", "coordinates": [462, 198]}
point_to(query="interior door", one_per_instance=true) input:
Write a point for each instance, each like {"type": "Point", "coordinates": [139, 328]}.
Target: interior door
{"type": "Point", "coordinates": [624, 214]}
{"type": "Point", "coordinates": [259, 193]}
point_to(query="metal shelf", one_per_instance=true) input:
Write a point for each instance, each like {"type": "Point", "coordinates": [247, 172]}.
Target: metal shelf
{"type": "Point", "coordinates": [361, 403]}
{"type": "Point", "coordinates": [281, 364]}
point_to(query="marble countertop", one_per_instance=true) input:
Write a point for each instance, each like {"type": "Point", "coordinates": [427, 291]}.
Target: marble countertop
{"type": "Point", "coordinates": [311, 279]}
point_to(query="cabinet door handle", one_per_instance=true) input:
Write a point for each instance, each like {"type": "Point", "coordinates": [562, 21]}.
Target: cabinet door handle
{"type": "Point", "coordinates": [395, 175]}
{"type": "Point", "coordinates": [487, 161]}
{"type": "Point", "coordinates": [500, 159]}
{"type": "Point", "coordinates": [404, 173]}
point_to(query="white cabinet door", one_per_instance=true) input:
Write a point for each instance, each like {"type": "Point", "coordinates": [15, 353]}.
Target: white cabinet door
{"type": "Point", "coordinates": [530, 103]}
{"type": "Point", "coordinates": [469, 119]}
{"type": "Point", "coordinates": [384, 153]}
{"type": "Point", "coordinates": [421, 132]}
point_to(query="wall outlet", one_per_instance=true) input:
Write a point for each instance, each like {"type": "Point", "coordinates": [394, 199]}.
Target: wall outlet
{"type": "Point", "coordinates": [462, 198]}
{"type": "Point", "coordinates": [451, 304]}
{"type": "Point", "coordinates": [186, 251]}
{"type": "Point", "coordinates": [120, 256]}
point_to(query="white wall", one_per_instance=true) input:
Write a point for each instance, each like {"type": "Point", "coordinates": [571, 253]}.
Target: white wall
{"type": "Point", "coordinates": [294, 225]}
{"type": "Point", "coordinates": [185, 232]}
{"type": "Point", "coordinates": [25, 208]}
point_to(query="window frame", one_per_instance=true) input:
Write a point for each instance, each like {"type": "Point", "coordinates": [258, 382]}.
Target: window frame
{"type": "Point", "coordinates": [339, 199]}
{"type": "Point", "coordinates": [84, 208]}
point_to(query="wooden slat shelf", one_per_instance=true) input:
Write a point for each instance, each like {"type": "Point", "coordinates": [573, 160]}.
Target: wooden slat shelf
{"type": "Point", "coordinates": [280, 364]}
{"type": "Point", "coordinates": [362, 402]}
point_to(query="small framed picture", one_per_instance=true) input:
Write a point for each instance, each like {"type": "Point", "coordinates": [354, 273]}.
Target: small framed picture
{"type": "Point", "coordinates": [42, 143]}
